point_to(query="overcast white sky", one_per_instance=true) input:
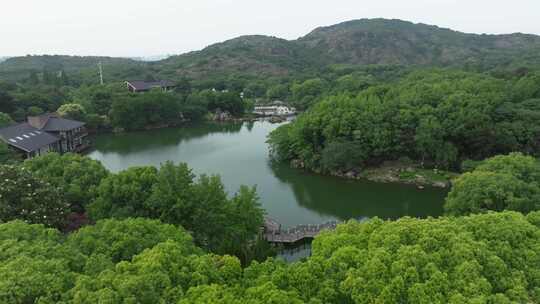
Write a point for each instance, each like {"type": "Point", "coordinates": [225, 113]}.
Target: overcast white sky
{"type": "Point", "coordinates": [154, 27]}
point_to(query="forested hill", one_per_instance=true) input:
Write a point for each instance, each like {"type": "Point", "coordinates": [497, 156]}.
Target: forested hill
{"type": "Point", "coordinates": [357, 42]}
{"type": "Point", "coordinates": [16, 68]}
{"type": "Point", "coordinates": [247, 54]}
{"type": "Point", "coordinates": [382, 41]}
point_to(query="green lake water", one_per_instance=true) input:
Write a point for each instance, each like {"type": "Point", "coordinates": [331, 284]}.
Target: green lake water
{"type": "Point", "coordinates": [239, 154]}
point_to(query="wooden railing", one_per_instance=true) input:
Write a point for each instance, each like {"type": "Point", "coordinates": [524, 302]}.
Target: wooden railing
{"type": "Point", "coordinates": [294, 234]}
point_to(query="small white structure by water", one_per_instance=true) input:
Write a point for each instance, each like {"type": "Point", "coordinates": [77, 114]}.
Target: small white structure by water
{"type": "Point", "coordinates": [277, 108]}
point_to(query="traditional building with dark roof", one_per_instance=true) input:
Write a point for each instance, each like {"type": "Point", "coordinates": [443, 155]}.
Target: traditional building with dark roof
{"type": "Point", "coordinates": [29, 141]}
{"type": "Point", "coordinates": [45, 133]}
{"type": "Point", "coordinates": [144, 86]}
{"type": "Point", "coordinates": [70, 132]}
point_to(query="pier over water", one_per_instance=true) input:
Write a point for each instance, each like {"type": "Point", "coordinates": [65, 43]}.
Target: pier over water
{"type": "Point", "coordinates": [273, 232]}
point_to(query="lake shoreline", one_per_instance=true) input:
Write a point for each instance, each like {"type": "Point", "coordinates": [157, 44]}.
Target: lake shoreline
{"type": "Point", "coordinates": [394, 172]}
{"type": "Point", "coordinates": [238, 153]}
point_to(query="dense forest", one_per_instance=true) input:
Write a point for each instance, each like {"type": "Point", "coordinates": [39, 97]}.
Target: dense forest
{"type": "Point", "coordinates": [489, 258]}
{"type": "Point", "coordinates": [72, 232]}
{"type": "Point", "coordinates": [436, 117]}
{"type": "Point", "coordinates": [371, 91]}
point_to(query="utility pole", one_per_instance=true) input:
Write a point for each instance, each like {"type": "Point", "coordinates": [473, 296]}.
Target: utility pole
{"type": "Point", "coordinates": [100, 73]}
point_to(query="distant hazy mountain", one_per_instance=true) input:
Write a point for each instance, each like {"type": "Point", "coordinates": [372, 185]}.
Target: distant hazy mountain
{"type": "Point", "coordinates": [16, 68]}
{"type": "Point", "coordinates": [358, 42]}
{"type": "Point", "coordinates": [150, 58]}
{"type": "Point", "coordinates": [3, 58]}
{"type": "Point", "coordinates": [381, 41]}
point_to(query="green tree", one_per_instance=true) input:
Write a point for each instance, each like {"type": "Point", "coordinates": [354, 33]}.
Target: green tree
{"type": "Point", "coordinates": [172, 195]}
{"type": "Point", "coordinates": [482, 191]}
{"type": "Point", "coordinates": [5, 120]}
{"type": "Point", "coordinates": [78, 176]}
{"type": "Point", "coordinates": [280, 91]}
{"type": "Point", "coordinates": [7, 104]}
{"type": "Point", "coordinates": [524, 167]}
{"type": "Point", "coordinates": [354, 83]}
{"type": "Point", "coordinates": [34, 111]}
{"type": "Point", "coordinates": [255, 90]}
{"type": "Point", "coordinates": [124, 194]}
{"type": "Point", "coordinates": [341, 155]}
{"type": "Point", "coordinates": [435, 117]}
{"type": "Point", "coordinates": [72, 111]}
{"type": "Point", "coordinates": [111, 241]}
{"type": "Point", "coordinates": [160, 274]}
{"type": "Point", "coordinates": [7, 155]}
{"type": "Point", "coordinates": [137, 111]}
{"type": "Point", "coordinates": [504, 182]}
{"type": "Point", "coordinates": [304, 94]}
{"type": "Point", "coordinates": [34, 280]}
{"type": "Point", "coordinates": [25, 197]}
{"type": "Point", "coordinates": [33, 79]}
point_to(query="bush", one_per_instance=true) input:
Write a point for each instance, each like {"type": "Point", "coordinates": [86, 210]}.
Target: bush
{"type": "Point", "coordinates": [504, 182]}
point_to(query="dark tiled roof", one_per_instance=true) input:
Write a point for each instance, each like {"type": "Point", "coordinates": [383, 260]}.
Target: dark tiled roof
{"type": "Point", "coordinates": [27, 138]}
{"type": "Point", "coordinates": [53, 123]}
{"type": "Point", "coordinates": [147, 85]}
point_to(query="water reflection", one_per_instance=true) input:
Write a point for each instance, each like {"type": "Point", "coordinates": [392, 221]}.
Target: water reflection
{"type": "Point", "coordinates": [125, 143]}
{"type": "Point", "coordinates": [239, 153]}
{"type": "Point", "coordinates": [346, 199]}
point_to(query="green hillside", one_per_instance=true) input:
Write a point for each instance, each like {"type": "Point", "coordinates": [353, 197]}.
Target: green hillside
{"type": "Point", "coordinates": [382, 41]}
{"type": "Point", "coordinates": [84, 68]}
{"type": "Point", "coordinates": [353, 43]}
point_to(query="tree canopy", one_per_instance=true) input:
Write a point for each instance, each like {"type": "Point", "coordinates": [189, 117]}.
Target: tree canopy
{"type": "Point", "coordinates": [437, 117]}
{"type": "Point", "coordinates": [76, 175]}
{"type": "Point", "coordinates": [173, 195]}
{"type": "Point", "coordinates": [504, 182]}
{"type": "Point", "coordinates": [72, 111]}
{"type": "Point", "coordinates": [5, 120]}
{"type": "Point", "coordinates": [487, 258]}
{"type": "Point", "coordinates": [25, 197]}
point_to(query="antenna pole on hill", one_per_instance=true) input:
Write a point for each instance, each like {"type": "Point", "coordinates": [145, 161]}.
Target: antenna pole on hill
{"type": "Point", "coordinates": [100, 73]}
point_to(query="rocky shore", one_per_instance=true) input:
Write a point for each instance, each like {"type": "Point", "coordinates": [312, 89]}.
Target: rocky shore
{"type": "Point", "coordinates": [394, 172]}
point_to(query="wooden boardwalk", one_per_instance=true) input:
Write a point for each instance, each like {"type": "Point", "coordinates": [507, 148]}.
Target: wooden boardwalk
{"type": "Point", "coordinates": [273, 232]}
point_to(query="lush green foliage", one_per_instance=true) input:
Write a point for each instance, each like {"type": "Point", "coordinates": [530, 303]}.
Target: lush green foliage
{"type": "Point", "coordinates": [478, 259]}
{"type": "Point", "coordinates": [504, 182]}
{"type": "Point", "coordinates": [25, 197]}
{"type": "Point", "coordinates": [172, 195]}
{"type": "Point", "coordinates": [436, 117]}
{"type": "Point", "coordinates": [112, 241]}
{"type": "Point", "coordinates": [40, 265]}
{"type": "Point", "coordinates": [7, 155]}
{"type": "Point", "coordinates": [112, 106]}
{"type": "Point", "coordinates": [5, 120]}
{"type": "Point", "coordinates": [358, 114]}
{"type": "Point", "coordinates": [224, 101]}
{"type": "Point", "coordinates": [77, 176]}
{"type": "Point", "coordinates": [141, 110]}
{"type": "Point", "coordinates": [489, 258]}
{"type": "Point", "coordinates": [72, 111]}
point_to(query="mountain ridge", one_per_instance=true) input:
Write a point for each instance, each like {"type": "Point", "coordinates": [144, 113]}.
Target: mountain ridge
{"type": "Point", "coordinates": [354, 42]}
